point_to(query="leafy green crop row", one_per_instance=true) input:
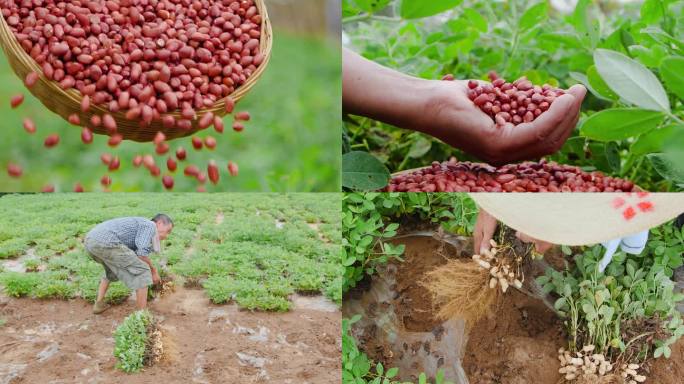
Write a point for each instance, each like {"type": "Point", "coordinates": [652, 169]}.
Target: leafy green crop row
{"type": "Point", "coordinates": [130, 340]}
{"type": "Point", "coordinates": [629, 56]}
{"type": "Point", "coordinates": [254, 249]}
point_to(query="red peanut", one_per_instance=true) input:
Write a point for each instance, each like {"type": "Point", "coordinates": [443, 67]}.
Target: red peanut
{"type": "Point", "coordinates": [14, 170]}
{"type": "Point", "coordinates": [51, 140]}
{"type": "Point", "coordinates": [521, 101]}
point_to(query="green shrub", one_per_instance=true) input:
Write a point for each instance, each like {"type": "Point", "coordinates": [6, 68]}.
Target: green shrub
{"type": "Point", "coordinates": [247, 294]}
{"type": "Point", "coordinates": [54, 288]}
{"type": "Point", "coordinates": [20, 284]}
{"type": "Point", "coordinates": [370, 219]}
{"type": "Point", "coordinates": [357, 368]}
{"type": "Point", "coordinates": [130, 339]}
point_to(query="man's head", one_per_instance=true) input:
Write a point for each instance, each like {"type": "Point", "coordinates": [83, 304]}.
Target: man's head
{"type": "Point", "coordinates": [164, 225]}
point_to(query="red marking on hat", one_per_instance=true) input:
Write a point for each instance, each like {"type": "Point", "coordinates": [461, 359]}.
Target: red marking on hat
{"type": "Point", "coordinates": [645, 206]}
{"type": "Point", "coordinates": [629, 213]}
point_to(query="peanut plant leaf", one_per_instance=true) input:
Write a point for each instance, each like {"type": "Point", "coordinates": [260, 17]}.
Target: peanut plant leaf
{"type": "Point", "coordinates": [654, 141]}
{"type": "Point", "coordinates": [586, 27]}
{"type": "Point", "coordinates": [420, 147]}
{"type": "Point", "coordinates": [584, 80]}
{"type": "Point", "coordinates": [620, 123]}
{"type": "Point", "coordinates": [672, 71]}
{"type": "Point", "coordinates": [533, 16]}
{"type": "Point", "coordinates": [631, 80]}
{"type": "Point", "coordinates": [363, 171]}
{"type": "Point", "coordinates": [668, 165]}
{"type": "Point", "coordinates": [415, 9]}
{"type": "Point", "coordinates": [597, 83]}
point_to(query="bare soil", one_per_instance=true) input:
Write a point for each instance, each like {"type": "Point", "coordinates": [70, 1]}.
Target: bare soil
{"type": "Point", "coordinates": [55, 341]}
{"type": "Point", "coordinates": [516, 343]}
{"type": "Point", "coordinates": [668, 371]}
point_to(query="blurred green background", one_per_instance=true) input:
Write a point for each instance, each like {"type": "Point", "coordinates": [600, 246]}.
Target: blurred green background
{"type": "Point", "coordinates": [291, 143]}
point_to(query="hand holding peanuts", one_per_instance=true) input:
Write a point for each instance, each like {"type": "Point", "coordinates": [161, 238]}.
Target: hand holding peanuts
{"type": "Point", "coordinates": [442, 109]}
{"type": "Point", "coordinates": [453, 118]}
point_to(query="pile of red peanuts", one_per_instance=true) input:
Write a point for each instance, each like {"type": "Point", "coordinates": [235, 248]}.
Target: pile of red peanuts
{"type": "Point", "coordinates": [542, 176]}
{"type": "Point", "coordinates": [517, 102]}
{"type": "Point", "coordinates": [145, 57]}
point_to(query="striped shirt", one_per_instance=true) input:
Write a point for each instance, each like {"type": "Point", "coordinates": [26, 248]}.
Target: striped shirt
{"type": "Point", "coordinates": [135, 233]}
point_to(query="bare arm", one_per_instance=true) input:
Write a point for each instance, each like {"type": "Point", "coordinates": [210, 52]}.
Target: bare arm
{"type": "Point", "coordinates": [371, 90]}
{"type": "Point", "coordinates": [155, 275]}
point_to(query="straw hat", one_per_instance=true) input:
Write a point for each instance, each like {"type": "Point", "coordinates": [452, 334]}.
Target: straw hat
{"type": "Point", "coordinates": [581, 218]}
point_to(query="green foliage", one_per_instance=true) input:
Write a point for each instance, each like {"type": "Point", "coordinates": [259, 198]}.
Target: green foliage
{"type": "Point", "coordinates": [245, 257]}
{"type": "Point", "coordinates": [19, 284]}
{"type": "Point", "coordinates": [287, 145]}
{"type": "Point", "coordinates": [130, 339]}
{"type": "Point", "coordinates": [369, 219]}
{"type": "Point", "coordinates": [363, 172]}
{"type": "Point", "coordinates": [358, 369]}
{"type": "Point", "coordinates": [597, 306]}
{"type": "Point", "coordinates": [247, 294]}
{"type": "Point", "coordinates": [629, 57]}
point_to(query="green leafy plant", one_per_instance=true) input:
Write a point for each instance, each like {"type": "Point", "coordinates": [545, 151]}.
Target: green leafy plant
{"type": "Point", "coordinates": [370, 219]}
{"type": "Point", "coordinates": [628, 56]}
{"type": "Point", "coordinates": [601, 308]}
{"type": "Point", "coordinates": [130, 341]}
{"type": "Point", "coordinates": [357, 368]}
{"type": "Point", "coordinates": [19, 284]}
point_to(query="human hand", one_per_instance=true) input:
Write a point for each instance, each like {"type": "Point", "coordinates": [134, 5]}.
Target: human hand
{"type": "Point", "coordinates": [155, 277]}
{"type": "Point", "coordinates": [450, 116]}
{"type": "Point", "coordinates": [485, 226]}
{"type": "Point", "coordinates": [484, 231]}
{"type": "Point", "coordinates": [539, 245]}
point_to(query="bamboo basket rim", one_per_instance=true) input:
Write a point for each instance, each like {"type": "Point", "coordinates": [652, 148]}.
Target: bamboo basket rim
{"type": "Point", "coordinates": [70, 99]}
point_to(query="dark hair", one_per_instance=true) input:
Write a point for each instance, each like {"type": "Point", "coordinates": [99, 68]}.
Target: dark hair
{"type": "Point", "coordinates": [163, 218]}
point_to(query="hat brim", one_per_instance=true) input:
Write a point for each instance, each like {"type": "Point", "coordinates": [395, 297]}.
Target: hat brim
{"type": "Point", "coordinates": [581, 218]}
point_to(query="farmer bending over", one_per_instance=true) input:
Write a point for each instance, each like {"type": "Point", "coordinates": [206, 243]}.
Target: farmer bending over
{"type": "Point", "coordinates": [122, 247]}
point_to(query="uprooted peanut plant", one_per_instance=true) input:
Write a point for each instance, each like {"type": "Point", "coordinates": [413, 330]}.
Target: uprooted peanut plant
{"type": "Point", "coordinates": [137, 342]}
{"type": "Point", "coordinates": [625, 316]}
{"type": "Point", "coordinates": [467, 288]}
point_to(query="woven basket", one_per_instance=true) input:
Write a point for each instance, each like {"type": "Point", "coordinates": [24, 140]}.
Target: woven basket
{"type": "Point", "coordinates": [68, 102]}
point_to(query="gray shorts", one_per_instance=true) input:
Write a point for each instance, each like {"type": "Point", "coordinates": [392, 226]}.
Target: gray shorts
{"type": "Point", "coordinates": [120, 264]}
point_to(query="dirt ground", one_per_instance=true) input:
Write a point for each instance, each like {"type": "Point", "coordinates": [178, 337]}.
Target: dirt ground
{"type": "Point", "coordinates": [669, 371]}
{"type": "Point", "coordinates": [516, 343]}
{"type": "Point", "coordinates": [57, 341]}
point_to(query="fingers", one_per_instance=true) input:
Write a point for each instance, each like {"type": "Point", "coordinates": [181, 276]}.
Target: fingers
{"type": "Point", "coordinates": [542, 246]}
{"type": "Point", "coordinates": [484, 231]}
{"type": "Point", "coordinates": [539, 245]}
{"type": "Point", "coordinates": [571, 119]}
{"type": "Point", "coordinates": [579, 91]}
